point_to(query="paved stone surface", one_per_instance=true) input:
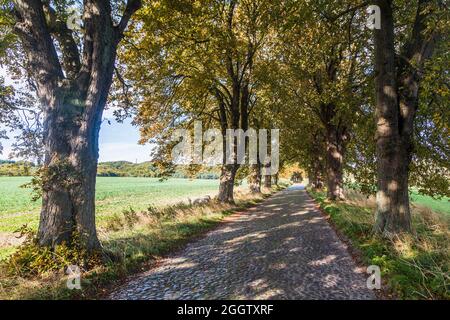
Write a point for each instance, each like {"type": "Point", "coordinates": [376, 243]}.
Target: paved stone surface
{"type": "Point", "coordinates": [282, 249]}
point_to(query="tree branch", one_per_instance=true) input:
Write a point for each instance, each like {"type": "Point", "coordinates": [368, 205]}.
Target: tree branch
{"type": "Point", "coordinates": [420, 47]}
{"type": "Point", "coordinates": [71, 56]}
{"type": "Point", "coordinates": [332, 18]}
{"type": "Point", "coordinates": [41, 54]}
{"type": "Point", "coordinates": [130, 9]}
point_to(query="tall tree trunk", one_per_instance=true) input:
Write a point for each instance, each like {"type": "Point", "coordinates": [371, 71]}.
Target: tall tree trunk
{"type": "Point", "coordinates": [275, 179]}
{"type": "Point", "coordinates": [317, 169]}
{"type": "Point", "coordinates": [334, 159]}
{"type": "Point", "coordinates": [255, 178]}
{"type": "Point", "coordinates": [233, 103]}
{"type": "Point", "coordinates": [316, 177]}
{"type": "Point", "coordinates": [226, 185]}
{"type": "Point", "coordinates": [68, 200]}
{"type": "Point", "coordinates": [228, 171]}
{"type": "Point", "coordinates": [310, 178]}
{"type": "Point", "coordinates": [239, 120]}
{"type": "Point", "coordinates": [393, 212]}
{"type": "Point", "coordinates": [268, 181]}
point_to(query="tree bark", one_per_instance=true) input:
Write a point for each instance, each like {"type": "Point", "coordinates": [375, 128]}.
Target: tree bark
{"type": "Point", "coordinates": [310, 176]}
{"type": "Point", "coordinates": [68, 201]}
{"type": "Point", "coordinates": [316, 168]}
{"type": "Point", "coordinates": [226, 186]}
{"type": "Point", "coordinates": [255, 178]}
{"type": "Point", "coordinates": [335, 142]}
{"type": "Point", "coordinates": [275, 179]}
{"type": "Point", "coordinates": [316, 181]}
{"type": "Point", "coordinates": [397, 95]}
{"type": "Point", "coordinates": [268, 181]}
{"type": "Point", "coordinates": [228, 171]}
{"type": "Point", "coordinates": [317, 161]}
{"type": "Point", "coordinates": [393, 212]}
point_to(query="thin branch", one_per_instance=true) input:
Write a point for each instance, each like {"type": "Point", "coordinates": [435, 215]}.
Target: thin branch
{"type": "Point", "coordinates": [332, 18]}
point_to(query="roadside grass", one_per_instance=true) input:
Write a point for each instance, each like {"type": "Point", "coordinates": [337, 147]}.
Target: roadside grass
{"type": "Point", "coordinates": [413, 266]}
{"type": "Point", "coordinates": [136, 240]}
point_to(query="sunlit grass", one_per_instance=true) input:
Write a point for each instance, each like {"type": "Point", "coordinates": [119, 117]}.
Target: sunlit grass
{"type": "Point", "coordinates": [437, 205]}
{"type": "Point", "coordinates": [415, 266]}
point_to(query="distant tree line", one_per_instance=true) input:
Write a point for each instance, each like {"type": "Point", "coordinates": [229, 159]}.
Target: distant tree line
{"type": "Point", "coordinates": [115, 169]}
{"type": "Point", "coordinates": [16, 168]}
{"type": "Point", "coordinates": [150, 170]}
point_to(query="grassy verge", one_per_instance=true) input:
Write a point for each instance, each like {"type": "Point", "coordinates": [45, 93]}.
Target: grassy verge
{"type": "Point", "coordinates": [136, 239]}
{"type": "Point", "coordinates": [113, 194]}
{"type": "Point", "coordinates": [413, 266]}
{"type": "Point", "coordinates": [441, 206]}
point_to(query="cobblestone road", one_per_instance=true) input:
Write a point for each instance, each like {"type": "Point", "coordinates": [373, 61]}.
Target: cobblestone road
{"type": "Point", "coordinates": [282, 249]}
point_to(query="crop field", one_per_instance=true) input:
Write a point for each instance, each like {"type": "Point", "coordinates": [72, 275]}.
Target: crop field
{"type": "Point", "coordinates": [437, 205]}
{"type": "Point", "coordinates": [114, 194]}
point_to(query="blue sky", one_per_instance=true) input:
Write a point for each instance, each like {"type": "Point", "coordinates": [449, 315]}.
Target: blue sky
{"type": "Point", "coordinates": [118, 141]}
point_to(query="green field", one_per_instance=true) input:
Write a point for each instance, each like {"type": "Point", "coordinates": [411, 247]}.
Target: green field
{"type": "Point", "coordinates": [437, 205]}
{"type": "Point", "coordinates": [113, 195]}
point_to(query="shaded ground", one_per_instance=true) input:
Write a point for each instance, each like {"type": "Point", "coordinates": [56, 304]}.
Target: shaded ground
{"type": "Point", "coordinates": [282, 249]}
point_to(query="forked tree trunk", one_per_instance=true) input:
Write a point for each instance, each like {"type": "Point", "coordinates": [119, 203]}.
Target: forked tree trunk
{"type": "Point", "coordinates": [397, 93]}
{"type": "Point", "coordinates": [71, 143]}
{"type": "Point", "coordinates": [73, 88]}
{"type": "Point", "coordinates": [255, 178]}
{"type": "Point", "coordinates": [393, 212]}
{"type": "Point", "coordinates": [334, 160]}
